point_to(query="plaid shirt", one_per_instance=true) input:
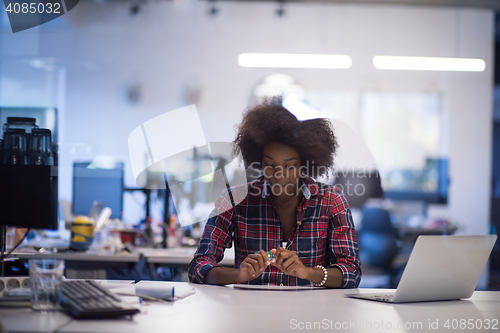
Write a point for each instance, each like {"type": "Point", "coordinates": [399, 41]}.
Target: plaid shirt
{"type": "Point", "coordinates": [324, 233]}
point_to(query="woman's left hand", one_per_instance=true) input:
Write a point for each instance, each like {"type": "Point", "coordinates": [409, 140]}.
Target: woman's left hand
{"type": "Point", "coordinates": [288, 262]}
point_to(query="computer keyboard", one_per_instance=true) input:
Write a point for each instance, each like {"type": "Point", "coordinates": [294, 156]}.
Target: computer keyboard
{"type": "Point", "coordinates": [88, 299]}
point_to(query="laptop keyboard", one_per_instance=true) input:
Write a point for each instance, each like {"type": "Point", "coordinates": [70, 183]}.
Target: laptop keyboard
{"type": "Point", "coordinates": [388, 297]}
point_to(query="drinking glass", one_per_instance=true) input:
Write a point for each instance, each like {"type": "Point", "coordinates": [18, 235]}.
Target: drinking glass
{"type": "Point", "coordinates": [46, 280]}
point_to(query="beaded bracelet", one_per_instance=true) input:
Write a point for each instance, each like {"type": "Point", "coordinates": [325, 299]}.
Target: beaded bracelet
{"type": "Point", "coordinates": [325, 276]}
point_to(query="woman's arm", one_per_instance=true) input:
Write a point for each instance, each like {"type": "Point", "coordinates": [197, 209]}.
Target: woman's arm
{"type": "Point", "coordinates": [222, 276]}
{"type": "Point", "coordinates": [290, 264]}
{"type": "Point", "coordinates": [252, 267]}
{"type": "Point", "coordinates": [343, 244]}
{"type": "Point", "coordinates": [217, 236]}
{"type": "Point", "coordinates": [334, 280]}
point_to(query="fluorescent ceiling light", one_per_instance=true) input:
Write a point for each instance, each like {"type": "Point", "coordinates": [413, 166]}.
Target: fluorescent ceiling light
{"type": "Point", "coordinates": [288, 60]}
{"type": "Point", "coordinates": [429, 63]}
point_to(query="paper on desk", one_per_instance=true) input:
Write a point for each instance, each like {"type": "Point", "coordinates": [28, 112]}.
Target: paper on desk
{"type": "Point", "coordinates": [163, 290]}
{"type": "Point", "coordinates": [118, 286]}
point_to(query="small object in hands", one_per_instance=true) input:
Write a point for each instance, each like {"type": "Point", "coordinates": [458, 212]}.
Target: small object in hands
{"type": "Point", "coordinates": [270, 254]}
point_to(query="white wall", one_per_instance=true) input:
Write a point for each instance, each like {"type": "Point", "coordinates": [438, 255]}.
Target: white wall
{"type": "Point", "coordinates": [170, 46]}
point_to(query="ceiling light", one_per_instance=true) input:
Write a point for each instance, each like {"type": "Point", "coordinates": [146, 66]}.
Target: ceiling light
{"type": "Point", "coordinates": [429, 63]}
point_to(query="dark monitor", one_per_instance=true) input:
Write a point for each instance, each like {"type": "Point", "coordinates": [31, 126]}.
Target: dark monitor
{"type": "Point", "coordinates": [28, 196]}
{"type": "Point", "coordinates": [359, 185]}
{"type": "Point", "coordinates": [430, 184]}
{"type": "Point", "coordinates": [28, 193]}
{"type": "Point", "coordinates": [97, 184]}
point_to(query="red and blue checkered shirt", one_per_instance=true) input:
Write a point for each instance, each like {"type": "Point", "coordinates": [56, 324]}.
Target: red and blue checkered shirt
{"type": "Point", "coordinates": [324, 233]}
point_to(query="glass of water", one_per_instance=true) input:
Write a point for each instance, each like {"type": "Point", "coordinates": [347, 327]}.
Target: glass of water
{"type": "Point", "coordinates": [46, 280]}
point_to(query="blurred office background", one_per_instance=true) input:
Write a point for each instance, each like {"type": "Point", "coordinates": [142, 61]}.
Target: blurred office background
{"type": "Point", "coordinates": [433, 136]}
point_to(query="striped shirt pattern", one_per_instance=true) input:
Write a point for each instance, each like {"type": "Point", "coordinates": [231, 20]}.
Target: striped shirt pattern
{"type": "Point", "coordinates": [324, 233]}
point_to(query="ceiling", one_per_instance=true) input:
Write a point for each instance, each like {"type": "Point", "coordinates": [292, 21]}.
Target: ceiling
{"type": "Point", "coordinates": [486, 4]}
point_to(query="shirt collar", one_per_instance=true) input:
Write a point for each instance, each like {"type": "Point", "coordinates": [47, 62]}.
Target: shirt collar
{"type": "Point", "coordinates": [304, 188]}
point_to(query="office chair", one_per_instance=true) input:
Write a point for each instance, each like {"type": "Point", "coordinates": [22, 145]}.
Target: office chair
{"type": "Point", "coordinates": [378, 242]}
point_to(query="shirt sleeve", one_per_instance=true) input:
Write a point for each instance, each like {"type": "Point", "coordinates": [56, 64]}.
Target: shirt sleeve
{"type": "Point", "coordinates": [343, 243]}
{"type": "Point", "coordinates": [217, 236]}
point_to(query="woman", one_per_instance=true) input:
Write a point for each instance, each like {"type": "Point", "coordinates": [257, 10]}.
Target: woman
{"type": "Point", "coordinates": [308, 224]}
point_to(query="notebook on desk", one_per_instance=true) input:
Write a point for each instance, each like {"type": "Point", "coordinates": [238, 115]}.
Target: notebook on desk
{"type": "Point", "coordinates": [167, 291]}
{"type": "Point", "coordinates": [440, 268]}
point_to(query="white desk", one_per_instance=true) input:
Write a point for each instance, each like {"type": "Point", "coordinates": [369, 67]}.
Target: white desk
{"type": "Point", "coordinates": [25, 320]}
{"type": "Point", "coordinates": [94, 265]}
{"type": "Point", "coordinates": [81, 265]}
{"type": "Point", "coordinates": [225, 309]}
{"type": "Point", "coordinates": [79, 256]}
{"type": "Point", "coordinates": [181, 255]}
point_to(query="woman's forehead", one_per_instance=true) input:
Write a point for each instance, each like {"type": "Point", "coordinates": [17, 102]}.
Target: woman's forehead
{"type": "Point", "coordinates": [278, 151]}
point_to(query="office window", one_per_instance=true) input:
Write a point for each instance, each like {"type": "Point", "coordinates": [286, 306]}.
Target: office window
{"type": "Point", "coordinates": [341, 105]}
{"type": "Point", "coordinates": [405, 133]}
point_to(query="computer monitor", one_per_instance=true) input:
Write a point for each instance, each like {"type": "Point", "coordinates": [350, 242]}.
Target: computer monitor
{"type": "Point", "coordinates": [91, 183]}
{"type": "Point", "coordinates": [359, 185]}
{"type": "Point", "coordinates": [28, 196]}
{"type": "Point", "coordinates": [430, 184]}
{"type": "Point", "coordinates": [28, 193]}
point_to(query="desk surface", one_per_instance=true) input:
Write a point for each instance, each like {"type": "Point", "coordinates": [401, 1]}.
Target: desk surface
{"type": "Point", "coordinates": [155, 256]}
{"type": "Point", "coordinates": [79, 256]}
{"type": "Point", "coordinates": [26, 320]}
{"type": "Point", "coordinates": [181, 255]}
{"type": "Point", "coordinates": [226, 309]}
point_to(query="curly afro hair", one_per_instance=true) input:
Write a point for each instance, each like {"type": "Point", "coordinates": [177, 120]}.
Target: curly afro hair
{"type": "Point", "coordinates": [269, 121]}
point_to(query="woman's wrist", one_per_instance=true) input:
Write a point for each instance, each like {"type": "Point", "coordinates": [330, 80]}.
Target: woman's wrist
{"type": "Point", "coordinates": [315, 274]}
{"type": "Point", "coordinates": [325, 276]}
{"type": "Point", "coordinates": [222, 276]}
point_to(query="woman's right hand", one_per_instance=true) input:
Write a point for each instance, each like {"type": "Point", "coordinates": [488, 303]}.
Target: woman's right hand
{"type": "Point", "coordinates": [253, 266]}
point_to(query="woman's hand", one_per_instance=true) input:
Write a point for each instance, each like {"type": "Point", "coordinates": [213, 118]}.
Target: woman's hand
{"type": "Point", "coordinates": [253, 266]}
{"type": "Point", "coordinates": [288, 262]}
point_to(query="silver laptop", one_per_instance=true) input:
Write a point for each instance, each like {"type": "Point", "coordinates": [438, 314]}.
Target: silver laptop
{"type": "Point", "coordinates": [440, 268]}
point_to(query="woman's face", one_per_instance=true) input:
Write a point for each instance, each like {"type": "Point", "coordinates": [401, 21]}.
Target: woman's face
{"type": "Point", "coordinates": [281, 164]}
